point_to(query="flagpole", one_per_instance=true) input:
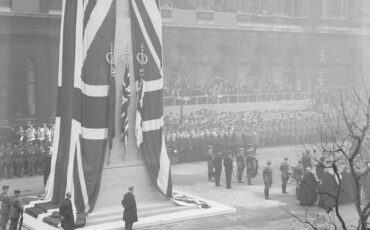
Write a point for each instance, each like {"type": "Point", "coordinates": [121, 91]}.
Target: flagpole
{"type": "Point", "coordinates": [110, 59]}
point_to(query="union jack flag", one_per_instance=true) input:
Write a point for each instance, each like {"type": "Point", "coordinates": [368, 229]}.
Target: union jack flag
{"type": "Point", "coordinates": [126, 93]}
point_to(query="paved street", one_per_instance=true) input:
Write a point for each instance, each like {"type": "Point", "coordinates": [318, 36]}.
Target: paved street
{"type": "Point", "coordinates": [252, 210]}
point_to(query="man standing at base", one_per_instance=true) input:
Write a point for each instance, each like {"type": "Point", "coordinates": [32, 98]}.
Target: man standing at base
{"type": "Point", "coordinates": [240, 162]}
{"type": "Point", "coordinates": [210, 162]}
{"type": "Point", "coordinates": [66, 213]}
{"type": "Point", "coordinates": [5, 207]}
{"type": "Point", "coordinates": [130, 212]}
{"type": "Point", "coordinates": [218, 168]}
{"type": "Point", "coordinates": [267, 179]}
{"type": "Point", "coordinates": [16, 210]}
{"type": "Point", "coordinates": [228, 164]}
{"type": "Point", "coordinates": [284, 170]}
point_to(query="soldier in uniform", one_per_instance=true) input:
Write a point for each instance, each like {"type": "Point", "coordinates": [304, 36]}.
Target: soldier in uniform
{"type": "Point", "coordinates": [228, 164]}
{"type": "Point", "coordinates": [8, 161]}
{"type": "Point", "coordinates": [30, 160]}
{"type": "Point", "coordinates": [218, 167]}
{"type": "Point", "coordinates": [285, 174]}
{"type": "Point", "coordinates": [251, 163]}
{"type": "Point", "coordinates": [16, 210]}
{"type": "Point", "coordinates": [5, 207]}
{"type": "Point", "coordinates": [267, 179]}
{"type": "Point", "coordinates": [240, 162]}
{"type": "Point", "coordinates": [210, 162]}
{"type": "Point", "coordinates": [20, 160]}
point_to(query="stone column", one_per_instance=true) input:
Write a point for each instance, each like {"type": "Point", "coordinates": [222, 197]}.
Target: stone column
{"type": "Point", "coordinates": [122, 42]}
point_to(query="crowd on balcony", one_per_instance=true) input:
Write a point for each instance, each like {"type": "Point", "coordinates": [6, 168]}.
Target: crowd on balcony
{"type": "Point", "coordinates": [188, 136]}
{"type": "Point", "coordinates": [184, 88]}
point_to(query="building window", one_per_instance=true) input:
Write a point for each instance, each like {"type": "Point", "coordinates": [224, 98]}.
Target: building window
{"type": "Point", "coordinates": [23, 94]}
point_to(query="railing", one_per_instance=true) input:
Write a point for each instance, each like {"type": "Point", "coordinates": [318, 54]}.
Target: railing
{"type": "Point", "coordinates": [239, 98]}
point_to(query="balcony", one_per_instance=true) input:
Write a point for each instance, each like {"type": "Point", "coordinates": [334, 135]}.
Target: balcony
{"type": "Point", "coordinates": [240, 98]}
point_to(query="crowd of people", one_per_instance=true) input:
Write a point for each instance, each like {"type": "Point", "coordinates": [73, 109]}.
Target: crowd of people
{"type": "Point", "coordinates": [184, 88]}
{"type": "Point", "coordinates": [25, 151]}
{"type": "Point", "coordinates": [188, 136]}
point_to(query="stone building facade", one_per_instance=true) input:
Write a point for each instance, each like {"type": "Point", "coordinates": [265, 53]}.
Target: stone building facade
{"type": "Point", "coordinates": [299, 40]}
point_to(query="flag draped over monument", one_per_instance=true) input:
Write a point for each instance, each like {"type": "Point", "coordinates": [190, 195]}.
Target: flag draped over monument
{"type": "Point", "coordinates": [81, 127]}
{"type": "Point", "coordinates": [147, 50]}
{"type": "Point", "coordinates": [125, 104]}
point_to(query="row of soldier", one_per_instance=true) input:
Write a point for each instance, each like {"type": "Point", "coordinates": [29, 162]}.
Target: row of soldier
{"type": "Point", "coordinates": [24, 160]}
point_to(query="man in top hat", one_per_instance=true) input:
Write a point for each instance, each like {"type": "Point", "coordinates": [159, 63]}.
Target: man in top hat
{"type": "Point", "coordinates": [240, 163]}
{"type": "Point", "coordinates": [66, 213]}
{"type": "Point", "coordinates": [130, 212]}
{"type": "Point", "coordinates": [285, 174]}
{"type": "Point", "coordinates": [267, 179]}
{"type": "Point", "coordinates": [16, 210]}
{"type": "Point", "coordinates": [5, 207]}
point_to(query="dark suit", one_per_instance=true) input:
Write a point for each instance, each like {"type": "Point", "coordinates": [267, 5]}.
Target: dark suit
{"type": "Point", "coordinates": [4, 211]}
{"type": "Point", "coordinates": [218, 169]}
{"type": "Point", "coordinates": [15, 212]}
{"type": "Point", "coordinates": [66, 212]}
{"type": "Point", "coordinates": [130, 212]}
{"type": "Point", "coordinates": [228, 164]}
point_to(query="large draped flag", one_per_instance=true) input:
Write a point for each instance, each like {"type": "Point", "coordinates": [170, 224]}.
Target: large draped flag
{"type": "Point", "coordinates": [146, 27]}
{"type": "Point", "coordinates": [81, 127]}
{"type": "Point", "coordinates": [126, 93]}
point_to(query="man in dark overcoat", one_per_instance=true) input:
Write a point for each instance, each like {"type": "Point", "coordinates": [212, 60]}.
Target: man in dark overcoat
{"type": "Point", "coordinates": [5, 207]}
{"type": "Point", "coordinates": [228, 164]}
{"type": "Point", "coordinates": [16, 210]}
{"type": "Point", "coordinates": [267, 179]}
{"type": "Point", "coordinates": [130, 212]}
{"type": "Point", "coordinates": [218, 168]}
{"type": "Point", "coordinates": [66, 213]}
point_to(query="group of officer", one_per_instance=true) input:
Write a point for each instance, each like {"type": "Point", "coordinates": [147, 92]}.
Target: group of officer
{"type": "Point", "coordinates": [245, 158]}
{"type": "Point", "coordinates": [11, 209]}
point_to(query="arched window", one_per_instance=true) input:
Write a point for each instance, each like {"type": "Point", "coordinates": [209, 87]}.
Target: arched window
{"type": "Point", "coordinates": [22, 100]}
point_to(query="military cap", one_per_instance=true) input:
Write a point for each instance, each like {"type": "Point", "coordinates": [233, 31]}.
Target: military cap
{"type": "Point", "coordinates": [5, 187]}
{"type": "Point", "coordinates": [286, 158]}
{"type": "Point", "coordinates": [17, 191]}
{"type": "Point", "coordinates": [268, 162]}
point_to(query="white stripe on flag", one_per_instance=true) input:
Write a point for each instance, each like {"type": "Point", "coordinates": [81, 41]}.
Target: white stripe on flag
{"type": "Point", "coordinates": [94, 90]}
{"type": "Point", "coordinates": [151, 125]}
{"type": "Point", "coordinates": [61, 46]}
{"type": "Point", "coordinates": [97, 17]}
{"type": "Point", "coordinates": [155, 16]}
{"type": "Point", "coordinates": [49, 189]}
{"type": "Point", "coordinates": [75, 135]}
{"type": "Point", "coordinates": [164, 169]}
{"type": "Point", "coordinates": [154, 85]}
{"type": "Point", "coordinates": [147, 39]}
{"type": "Point", "coordinates": [77, 82]}
{"type": "Point", "coordinates": [81, 176]}
{"type": "Point", "coordinates": [94, 134]}
{"type": "Point", "coordinates": [138, 130]}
